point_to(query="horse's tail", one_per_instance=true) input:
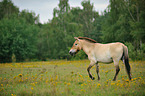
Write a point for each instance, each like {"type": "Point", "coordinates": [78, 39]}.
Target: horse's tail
{"type": "Point", "coordinates": [126, 60]}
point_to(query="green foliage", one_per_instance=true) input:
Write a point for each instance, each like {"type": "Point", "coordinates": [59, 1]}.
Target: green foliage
{"type": "Point", "coordinates": [24, 36]}
{"type": "Point", "coordinates": [17, 37]}
{"type": "Point", "coordinates": [136, 54]}
{"type": "Point", "coordinates": [131, 51]}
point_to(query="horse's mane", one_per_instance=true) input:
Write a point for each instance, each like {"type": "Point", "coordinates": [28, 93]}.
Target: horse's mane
{"type": "Point", "coordinates": [88, 39]}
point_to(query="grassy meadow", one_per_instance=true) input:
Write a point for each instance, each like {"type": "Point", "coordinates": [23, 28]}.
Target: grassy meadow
{"type": "Point", "coordinates": [67, 78]}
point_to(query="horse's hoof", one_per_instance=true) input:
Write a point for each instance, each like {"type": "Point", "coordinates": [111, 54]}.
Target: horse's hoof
{"type": "Point", "coordinates": [93, 78]}
{"type": "Point", "coordinates": [114, 79]}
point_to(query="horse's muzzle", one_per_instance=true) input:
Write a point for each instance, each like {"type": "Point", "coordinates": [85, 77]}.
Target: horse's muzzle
{"type": "Point", "coordinates": [71, 53]}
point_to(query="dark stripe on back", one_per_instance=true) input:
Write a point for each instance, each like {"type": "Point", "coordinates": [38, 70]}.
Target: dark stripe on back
{"type": "Point", "coordinates": [88, 39]}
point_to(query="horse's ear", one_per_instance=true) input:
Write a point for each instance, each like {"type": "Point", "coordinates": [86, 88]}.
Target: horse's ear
{"type": "Point", "coordinates": [77, 38]}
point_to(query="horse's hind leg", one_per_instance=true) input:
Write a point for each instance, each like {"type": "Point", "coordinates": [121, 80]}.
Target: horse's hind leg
{"type": "Point", "coordinates": [88, 69]}
{"type": "Point", "coordinates": [116, 64]}
{"type": "Point", "coordinates": [97, 70]}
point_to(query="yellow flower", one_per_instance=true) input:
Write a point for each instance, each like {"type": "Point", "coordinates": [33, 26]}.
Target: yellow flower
{"type": "Point", "coordinates": [127, 80]}
{"type": "Point", "coordinates": [123, 79]}
{"type": "Point", "coordinates": [20, 75]}
{"type": "Point", "coordinates": [65, 83]}
{"type": "Point", "coordinates": [98, 85]}
{"type": "Point", "coordinates": [81, 84]}
{"type": "Point", "coordinates": [80, 75]}
{"type": "Point", "coordinates": [2, 85]}
{"type": "Point", "coordinates": [32, 88]}
{"type": "Point", "coordinates": [68, 84]}
{"type": "Point", "coordinates": [106, 72]}
{"type": "Point", "coordinates": [112, 83]}
{"type": "Point", "coordinates": [83, 90]}
{"type": "Point", "coordinates": [33, 84]}
{"type": "Point", "coordinates": [118, 81]}
{"type": "Point", "coordinates": [15, 77]}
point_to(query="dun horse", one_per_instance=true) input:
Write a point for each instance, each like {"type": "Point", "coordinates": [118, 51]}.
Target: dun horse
{"type": "Point", "coordinates": [105, 53]}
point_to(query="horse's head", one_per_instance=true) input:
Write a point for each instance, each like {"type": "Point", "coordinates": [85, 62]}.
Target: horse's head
{"type": "Point", "coordinates": [76, 47]}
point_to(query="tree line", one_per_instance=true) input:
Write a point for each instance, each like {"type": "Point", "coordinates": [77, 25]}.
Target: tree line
{"type": "Point", "coordinates": [24, 38]}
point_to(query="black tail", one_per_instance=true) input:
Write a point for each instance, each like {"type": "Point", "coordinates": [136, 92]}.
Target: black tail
{"type": "Point", "coordinates": [126, 61]}
{"type": "Point", "coordinates": [128, 68]}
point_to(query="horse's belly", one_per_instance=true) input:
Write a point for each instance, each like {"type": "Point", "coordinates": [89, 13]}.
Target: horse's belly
{"type": "Point", "coordinates": [105, 60]}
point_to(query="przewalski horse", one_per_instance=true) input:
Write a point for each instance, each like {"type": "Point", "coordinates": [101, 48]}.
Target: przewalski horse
{"type": "Point", "coordinates": [105, 53]}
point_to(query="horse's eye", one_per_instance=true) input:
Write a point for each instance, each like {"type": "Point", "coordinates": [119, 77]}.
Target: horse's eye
{"type": "Point", "coordinates": [76, 44]}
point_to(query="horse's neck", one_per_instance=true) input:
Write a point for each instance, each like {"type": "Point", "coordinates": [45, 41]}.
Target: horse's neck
{"type": "Point", "coordinates": [87, 46]}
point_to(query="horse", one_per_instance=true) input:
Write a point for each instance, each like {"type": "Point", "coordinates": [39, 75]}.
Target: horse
{"type": "Point", "coordinates": [105, 53]}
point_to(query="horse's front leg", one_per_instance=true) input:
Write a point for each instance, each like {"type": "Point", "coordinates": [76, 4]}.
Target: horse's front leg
{"type": "Point", "coordinates": [88, 69]}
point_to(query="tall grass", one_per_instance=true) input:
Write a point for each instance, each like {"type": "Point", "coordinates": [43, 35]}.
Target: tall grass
{"type": "Point", "coordinates": [67, 78]}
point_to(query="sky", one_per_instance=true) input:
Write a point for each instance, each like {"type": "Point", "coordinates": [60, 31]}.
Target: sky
{"type": "Point", "coordinates": [45, 7]}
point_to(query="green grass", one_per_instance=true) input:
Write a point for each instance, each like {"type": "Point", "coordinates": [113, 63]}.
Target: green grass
{"type": "Point", "coordinates": [67, 78]}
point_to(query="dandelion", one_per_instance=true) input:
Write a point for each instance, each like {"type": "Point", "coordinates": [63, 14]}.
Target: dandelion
{"type": "Point", "coordinates": [88, 81]}
{"type": "Point", "coordinates": [135, 78]}
{"type": "Point", "coordinates": [112, 83]}
{"type": "Point", "coordinates": [117, 84]}
{"type": "Point", "coordinates": [20, 75]}
{"type": "Point", "coordinates": [80, 75]}
{"type": "Point", "coordinates": [139, 77]}
{"type": "Point", "coordinates": [46, 81]}
{"type": "Point", "coordinates": [123, 79]}
{"type": "Point", "coordinates": [68, 84]}
{"type": "Point", "coordinates": [33, 84]}
{"type": "Point", "coordinates": [82, 84]}
{"type": "Point", "coordinates": [83, 90]}
{"type": "Point", "coordinates": [65, 83]}
{"type": "Point", "coordinates": [51, 79]}
{"type": "Point", "coordinates": [14, 77]}
{"type": "Point", "coordinates": [98, 85]}
{"type": "Point", "coordinates": [127, 80]}
{"type": "Point", "coordinates": [85, 84]}
{"type": "Point", "coordinates": [32, 88]}
{"type": "Point", "coordinates": [118, 81]}
{"type": "Point", "coordinates": [106, 72]}
{"type": "Point", "coordinates": [2, 85]}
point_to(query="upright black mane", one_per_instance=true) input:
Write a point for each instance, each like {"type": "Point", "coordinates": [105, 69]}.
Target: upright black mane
{"type": "Point", "coordinates": [88, 39]}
